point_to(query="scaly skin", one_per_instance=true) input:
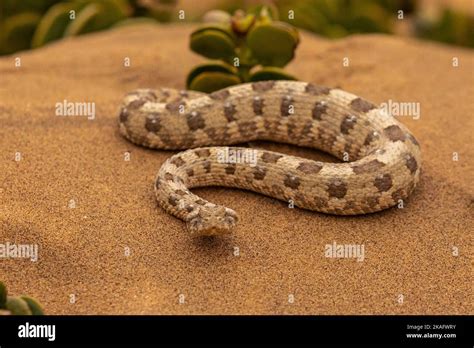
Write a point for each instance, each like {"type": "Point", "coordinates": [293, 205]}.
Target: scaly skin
{"type": "Point", "coordinates": [384, 156]}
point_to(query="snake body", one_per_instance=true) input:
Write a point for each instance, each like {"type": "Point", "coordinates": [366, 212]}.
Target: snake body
{"type": "Point", "coordinates": [384, 157]}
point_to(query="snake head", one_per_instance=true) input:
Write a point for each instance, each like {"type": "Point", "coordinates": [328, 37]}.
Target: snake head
{"type": "Point", "coordinates": [211, 221]}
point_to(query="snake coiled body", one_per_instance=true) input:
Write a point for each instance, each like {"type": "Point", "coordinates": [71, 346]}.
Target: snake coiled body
{"type": "Point", "coordinates": [384, 157]}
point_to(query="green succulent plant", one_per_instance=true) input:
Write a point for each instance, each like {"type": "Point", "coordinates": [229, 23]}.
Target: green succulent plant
{"type": "Point", "coordinates": [18, 305]}
{"type": "Point", "coordinates": [242, 48]}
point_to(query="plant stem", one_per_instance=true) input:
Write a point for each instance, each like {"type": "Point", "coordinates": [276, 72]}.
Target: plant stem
{"type": "Point", "coordinates": [244, 73]}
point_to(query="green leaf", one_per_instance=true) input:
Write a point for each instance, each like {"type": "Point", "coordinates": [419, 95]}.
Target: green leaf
{"type": "Point", "coordinates": [98, 15]}
{"type": "Point", "coordinates": [214, 44]}
{"type": "Point", "coordinates": [34, 306]}
{"type": "Point", "coordinates": [54, 23]}
{"type": "Point", "coordinates": [210, 67]}
{"type": "Point", "coordinates": [273, 44]}
{"type": "Point", "coordinates": [17, 31]}
{"type": "Point", "coordinates": [224, 28]}
{"type": "Point", "coordinates": [270, 73]}
{"type": "Point", "coordinates": [212, 81]}
{"type": "Point", "coordinates": [17, 306]}
{"type": "Point", "coordinates": [85, 21]}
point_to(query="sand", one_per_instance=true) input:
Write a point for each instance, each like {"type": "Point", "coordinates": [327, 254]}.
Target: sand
{"type": "Point", "coordinates": [280, 266]}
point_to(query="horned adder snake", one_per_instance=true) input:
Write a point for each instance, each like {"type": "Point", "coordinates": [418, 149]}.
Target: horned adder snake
{"type": "Point", "coordinates": [384, 156]}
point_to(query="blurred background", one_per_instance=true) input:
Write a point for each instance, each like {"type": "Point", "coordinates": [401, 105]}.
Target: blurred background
{"type": "Point", "coordinates": [28, 24]}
